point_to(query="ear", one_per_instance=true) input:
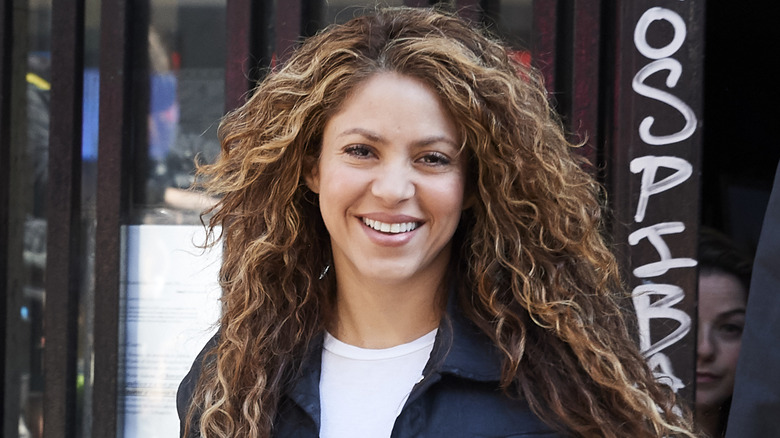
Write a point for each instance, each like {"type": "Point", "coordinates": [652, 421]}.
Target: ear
{"type": "Point", "coordinates": [312, 176]}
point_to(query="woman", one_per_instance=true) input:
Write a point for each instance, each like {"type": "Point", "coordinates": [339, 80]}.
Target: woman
{"type": "Point", "coordinates": [724, 282]}
{"type": "Point", "coordinates": [400, 193]}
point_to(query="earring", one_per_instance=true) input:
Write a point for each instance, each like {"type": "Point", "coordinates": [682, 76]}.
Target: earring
{"type": "Point", "coordinates": [324, 271]}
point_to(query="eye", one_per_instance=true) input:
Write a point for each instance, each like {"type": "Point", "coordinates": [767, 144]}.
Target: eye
{"type": "Point", "coordinates": [359, 151]}
{"type": "Point", "coordinates": [730, 331]}
{"type": "Point", "coordinates": [435, 159]}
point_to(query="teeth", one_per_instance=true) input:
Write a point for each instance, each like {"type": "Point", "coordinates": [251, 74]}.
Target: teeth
{"type": "Point", "coordinates": [390, 228]}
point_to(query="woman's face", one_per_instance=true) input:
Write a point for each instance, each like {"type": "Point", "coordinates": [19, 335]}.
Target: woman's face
{"type": "Point", "coordinates": [722, 300]}
{"type": "Point", "coordinates": [390, 181]}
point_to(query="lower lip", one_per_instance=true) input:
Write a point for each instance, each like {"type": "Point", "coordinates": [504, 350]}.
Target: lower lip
{"type": "Point", "coordinates": [388, 239]}
{"type": "Point", "coordinates": [705, 378]}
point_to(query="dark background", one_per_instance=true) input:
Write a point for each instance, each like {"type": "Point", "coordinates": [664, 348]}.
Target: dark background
{"type": "Point", "coordinates": [740, 151]}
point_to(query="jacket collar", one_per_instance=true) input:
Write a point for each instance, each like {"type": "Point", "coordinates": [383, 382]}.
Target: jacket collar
{"type": "Point", "coordinates": [460, 349]}
{"type": "Point", "coordinates": [463, 349]}
{"type": "Point", "coordinates": [305, 388]}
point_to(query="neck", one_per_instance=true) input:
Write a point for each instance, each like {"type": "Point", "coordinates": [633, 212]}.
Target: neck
{"type": "Point", "coordinates": [709, 420]}
{"type": "Point", "coordinates": [375, 315]}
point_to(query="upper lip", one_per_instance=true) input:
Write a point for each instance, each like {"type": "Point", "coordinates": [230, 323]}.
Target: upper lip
{"type": "Point", "coordinates": [391, 218]}
{"type": "Point", "coordinates": [705, 374]}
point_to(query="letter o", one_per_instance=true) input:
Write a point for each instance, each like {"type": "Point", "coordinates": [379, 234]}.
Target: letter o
{"type": "Point", "coordinates": [640, 32]}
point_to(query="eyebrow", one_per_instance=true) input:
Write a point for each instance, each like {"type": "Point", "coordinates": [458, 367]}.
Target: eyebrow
{"type": "Point", "coordinates": [371, 135]}
{"type": "Point", "coordinates": [732, 312]}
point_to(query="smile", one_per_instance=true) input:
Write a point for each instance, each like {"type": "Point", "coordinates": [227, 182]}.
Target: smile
{"type": "Point", "coordinates": [390, 228]}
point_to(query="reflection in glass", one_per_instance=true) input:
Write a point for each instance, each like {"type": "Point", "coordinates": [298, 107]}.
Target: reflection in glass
{"type": "Point", "coordinates": [513, 22]}
{"type": "Point", "coordinates": [183, 95]}
{"type": "Point", "coordinates": [31, 143]}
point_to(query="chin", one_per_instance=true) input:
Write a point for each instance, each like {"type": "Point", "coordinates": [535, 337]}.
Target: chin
{"type": "Point", "coordinates": [388, 275]}
{"type": "Point", "coordinates": [710, 402]}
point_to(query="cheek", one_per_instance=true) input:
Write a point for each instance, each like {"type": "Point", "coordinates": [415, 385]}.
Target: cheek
{"type": "Point", "coordinates": [447, 197]}
{"type": "Point", "coordinates": [731, 355]}
{"type": "Point", "coordinates": [728, 354]}
{"type": "Point", "coordinates": [337, 183]}
{"type": "Point", "coordinates": [339, 190]}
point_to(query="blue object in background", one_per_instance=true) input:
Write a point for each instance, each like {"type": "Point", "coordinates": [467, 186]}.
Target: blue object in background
{"type": "Point", "coordinates": [89, 123]}
{"type": "Point", "coordinates": [163, 115]}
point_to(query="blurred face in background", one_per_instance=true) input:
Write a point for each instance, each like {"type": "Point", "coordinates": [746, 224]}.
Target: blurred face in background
{"type": "Point", "coordinates": [722, 301]}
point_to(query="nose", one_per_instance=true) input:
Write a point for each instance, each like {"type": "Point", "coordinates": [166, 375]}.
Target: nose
{"type": "Point", "coordinates": [705, 347]}
{"type": "Point", "coordinates": [393, 182]}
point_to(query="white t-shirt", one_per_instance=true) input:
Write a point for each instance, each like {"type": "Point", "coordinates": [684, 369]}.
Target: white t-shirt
{"type": "Point", "coordinates": [362, 390]}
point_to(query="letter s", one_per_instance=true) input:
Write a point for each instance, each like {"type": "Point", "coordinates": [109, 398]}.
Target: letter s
{"type": "Point", "coordinates": [675, 70]}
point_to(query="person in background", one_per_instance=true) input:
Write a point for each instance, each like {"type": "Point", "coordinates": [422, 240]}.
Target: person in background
{"type": "Point", "coordinates": [755, 407]}
{"type": "Point", "coordinates": [411, 248]}
{"type": "Point", "coordinates": [724, 282]}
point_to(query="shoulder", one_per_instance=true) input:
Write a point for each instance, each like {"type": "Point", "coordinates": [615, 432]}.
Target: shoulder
{"type": "Point", "coordinates": [187, 386]}
{"type": "Point", "coordinates": [461, 394]}
{"type": "Point", "coordinates": [458, 406]}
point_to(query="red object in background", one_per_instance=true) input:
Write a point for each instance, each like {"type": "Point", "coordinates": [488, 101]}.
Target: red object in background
{"type": "Point", "coordinates": [521, 56]}
{"type": "Point", "coordinates": [175, 61]}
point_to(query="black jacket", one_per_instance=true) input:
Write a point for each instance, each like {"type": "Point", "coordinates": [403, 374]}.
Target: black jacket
{"type": "Point", "coordinates": [459, 396]}
{"type": "Point", "coordinates": [756, 400]}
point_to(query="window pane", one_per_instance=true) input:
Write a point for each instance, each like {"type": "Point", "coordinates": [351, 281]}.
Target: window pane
{"type": "Point", "coordinates": [513, 22]}
{"type": "Point", "coordinates": [181, 99]}
{"type": "Point", "coordinates": [24, 387]}
{"type": "Point", "coordinates": [168, 286]}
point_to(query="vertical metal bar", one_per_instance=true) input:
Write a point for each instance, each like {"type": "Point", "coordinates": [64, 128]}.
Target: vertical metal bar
{"type": "Point", "coordinates": [63, 218]}
{"type": "Point", "coordinates": [6, 46]}
{"type": "Point", "coordinates": [584, 100]}
{"type": "Point", "coordinates": [138, 31]}
{"type": "Point", "coordinates": [313, 17]}
{"type": "Point", "coordinates": [113, 147]}
{"type": "Point", "coordinates": [566, 48]}
{"type": "Point", "coordinates": [17, 200]}
{"type": "Point", "coordinates": [654, 162]}
{"type": "Point", "coordinates": [288, 25]}
{"type": "Point", "coordinates": [239, 26]}
{"type": "Point", "coordinates": [545, 39]}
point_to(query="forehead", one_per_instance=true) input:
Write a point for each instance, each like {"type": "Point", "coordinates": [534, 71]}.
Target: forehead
{"type": "Point", "coordinates": [379, 85]}
{"type": "Point", "coordinates": [720, 292]}
{"type": "Point", "coordinates": [395, 104]}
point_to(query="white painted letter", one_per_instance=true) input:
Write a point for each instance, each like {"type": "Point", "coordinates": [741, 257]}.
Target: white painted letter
{"type": "Point", "coordinates": [649, 165]}
{"type": "Point", "coordinates": [661, 366]}
{"type": "Point", "coordinates": [640, 33]}
{"type": "Point", "coordinates": [646, 310]}
{"type": "Point", "coordinates": [675, 70]}
{"type": "Point", "coordinates": [653, 234]}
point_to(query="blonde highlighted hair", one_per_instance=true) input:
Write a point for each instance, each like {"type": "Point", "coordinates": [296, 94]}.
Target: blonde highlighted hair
{"type": "Point", "coordinates": [536, 275]}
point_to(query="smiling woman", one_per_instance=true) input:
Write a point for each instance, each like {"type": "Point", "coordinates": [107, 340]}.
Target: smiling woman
{"type": "Point", "coordinates": [390, 179]}
{"type": "Point", "coordinates": [412, 249]}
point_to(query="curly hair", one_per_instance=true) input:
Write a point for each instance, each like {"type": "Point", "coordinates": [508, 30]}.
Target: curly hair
{"type": "Point", "coordinates": [535, 273]}
{"type": "Point", "coordinates": [719, 253]}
